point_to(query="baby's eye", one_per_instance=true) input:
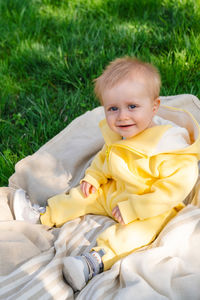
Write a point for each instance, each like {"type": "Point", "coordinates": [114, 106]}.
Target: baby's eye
{"type": "Point", "coordinates": [113, 108]}
{"type": "Point", "coordinates": [132, 106]}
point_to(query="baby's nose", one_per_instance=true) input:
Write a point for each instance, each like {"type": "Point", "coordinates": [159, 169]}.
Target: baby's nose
{"type": "Point", "coordinates": [123, 114]}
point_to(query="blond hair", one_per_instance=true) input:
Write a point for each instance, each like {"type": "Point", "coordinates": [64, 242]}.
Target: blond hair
{"type": "Point", "coordinates": [127, 68]}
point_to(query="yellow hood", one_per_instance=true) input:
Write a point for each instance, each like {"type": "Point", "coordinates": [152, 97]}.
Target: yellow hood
{"type": "Point", "coordinates": [145, 142]}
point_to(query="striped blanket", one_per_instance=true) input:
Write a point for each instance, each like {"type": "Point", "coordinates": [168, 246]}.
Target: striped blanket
{"type": "Point", "coordinates": [31, 256]}
{"type": "Point", "coordinates": [169, 269]}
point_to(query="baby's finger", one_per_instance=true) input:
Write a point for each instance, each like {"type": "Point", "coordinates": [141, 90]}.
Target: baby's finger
{"type": "Point", "coordinates": [117, 216]}
{"type": "Point", "coordinates": [114, 215]}
{"type": "Point", "coordinates": [114, 211]}
{"type": "Point", "coordinates": [118, 213]}
{"type": "Point", "coordinates": [87, 189]}
{"type": "Point", "coordinates": [92, 189]}
{"type": "Point", "coordinates": [121, 221]}
{"type": "Point", "coordinates": [84, 188]}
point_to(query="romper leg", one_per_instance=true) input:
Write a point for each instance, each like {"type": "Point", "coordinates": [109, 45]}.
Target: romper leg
{"type": "Point", "coordinates": [64, 207]}
{"type": "Point", "coordinates": [120, 240]}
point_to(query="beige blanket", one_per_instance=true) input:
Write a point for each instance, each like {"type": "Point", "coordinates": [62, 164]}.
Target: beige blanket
{"type": "Point", "coordinates": [31, 255]}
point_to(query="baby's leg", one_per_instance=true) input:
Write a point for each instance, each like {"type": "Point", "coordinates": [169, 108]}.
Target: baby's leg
{"type": "Point", "coordinates": [120, 240]}
{"type": "Point", "coordinates": [64, 207]}
{"type": "Point", "coordinates": [114, 243]}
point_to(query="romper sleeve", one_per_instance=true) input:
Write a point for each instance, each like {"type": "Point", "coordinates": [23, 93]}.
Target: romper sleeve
{"type": "Point", "coordinates": [97, 173]}
{"type": "Point", "coordinates": [177, 175]}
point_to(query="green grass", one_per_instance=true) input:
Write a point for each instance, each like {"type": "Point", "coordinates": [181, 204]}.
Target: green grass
{"type": "Point", "coordinates": [51, 50]}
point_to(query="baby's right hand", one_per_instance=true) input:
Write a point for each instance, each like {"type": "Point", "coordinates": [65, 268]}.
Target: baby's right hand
{"type": "Point", "coordinates": [87, 188]}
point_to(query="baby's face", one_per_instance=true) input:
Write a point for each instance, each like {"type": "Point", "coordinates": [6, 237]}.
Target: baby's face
{"type": "Point", "coordinates": [129, 107]}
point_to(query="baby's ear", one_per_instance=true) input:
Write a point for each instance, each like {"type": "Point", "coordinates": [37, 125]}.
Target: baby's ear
{"type": "Point", "coordinates": [156, 105]}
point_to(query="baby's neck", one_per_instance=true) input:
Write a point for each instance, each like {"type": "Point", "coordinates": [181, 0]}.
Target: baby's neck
{"type": "Point", "coordinates": [152, 124]}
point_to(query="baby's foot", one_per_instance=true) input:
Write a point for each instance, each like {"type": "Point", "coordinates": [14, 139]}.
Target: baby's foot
{"type": "Point", "coordinates": [78, 270]}
{"type": "Point", "coordinates": [24, 210]}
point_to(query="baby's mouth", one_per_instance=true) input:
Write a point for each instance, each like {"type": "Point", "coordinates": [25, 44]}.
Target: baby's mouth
{"type": "Point", "coordinates": [125, 126]}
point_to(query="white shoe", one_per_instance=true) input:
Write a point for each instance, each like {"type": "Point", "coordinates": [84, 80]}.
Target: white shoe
{"type": "Point", "coordinates": [23, 209]}
{"type": "Point", "coordinates": [78, 270]}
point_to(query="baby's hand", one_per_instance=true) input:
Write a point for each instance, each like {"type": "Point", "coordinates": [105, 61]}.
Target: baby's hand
{"type": "Point", "coordinates": [117, 215]}
{"type": "Point", "coordinates": [87, 188]}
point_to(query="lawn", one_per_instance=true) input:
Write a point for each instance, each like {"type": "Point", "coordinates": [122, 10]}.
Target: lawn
{"type": "Point", "coordinates": [51, 50]}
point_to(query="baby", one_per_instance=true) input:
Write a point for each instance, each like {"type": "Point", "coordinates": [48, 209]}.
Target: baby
{"type": "Point", "coordinates": [140, 178]}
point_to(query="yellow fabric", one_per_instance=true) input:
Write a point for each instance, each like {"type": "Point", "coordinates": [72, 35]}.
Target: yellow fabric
{"type": "Point", "coordinates": [143, 185]}
{"type": "Point", "coordinates": [120, 240]}
{"type": "Point", "coordinates": [66, 207]}
{"type": "Point", "coordinates": [148, 188]}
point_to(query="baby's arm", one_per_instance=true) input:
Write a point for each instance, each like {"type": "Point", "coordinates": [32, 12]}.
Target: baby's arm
{"type": "Point", "coordinates": [94, 175]}
{"type": "Point", "coordinates": [177, 177]}
{"type": "Point", "coordinates": [87, 188]}
{"type": "Point", "coordinates": [117, 215]}
{"type": "Point", "coordinates": [97, 173]}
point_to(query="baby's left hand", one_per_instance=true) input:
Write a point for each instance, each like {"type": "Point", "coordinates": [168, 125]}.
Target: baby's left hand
{"type": "Point", "coordinates": [117, 215]}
